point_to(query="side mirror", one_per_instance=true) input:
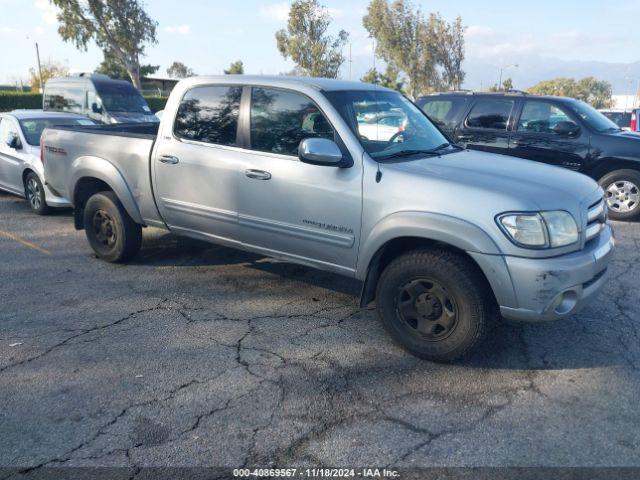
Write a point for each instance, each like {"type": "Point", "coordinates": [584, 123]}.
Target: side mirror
{"type": "Point", "coordinates": [566, 128]}
{"type": "Point", "coordinates": [320, 151]}
{"type": "Point", "coordinates": [14, 142]}
{"type": "Point", "coordinates": [95, 108]}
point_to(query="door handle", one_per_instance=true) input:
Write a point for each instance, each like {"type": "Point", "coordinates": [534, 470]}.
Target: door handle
{"type": "Point", "coordinates": [169, 159]}
{"type": "Point", "coordinates": [257, 174]}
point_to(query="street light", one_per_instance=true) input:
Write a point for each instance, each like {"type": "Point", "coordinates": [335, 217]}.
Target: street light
{"type": "Point", "coordinates": [515, 65]}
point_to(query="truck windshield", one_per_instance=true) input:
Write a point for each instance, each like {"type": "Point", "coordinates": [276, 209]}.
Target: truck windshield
{"type": "Point", "coordinates": [122, 97]}
{"type": "Point", "coordinates": [32, 128]}
{"type": "Point", "coordinates": [592, 117]}
{"type": "Point", "coordinates": [388, 125]}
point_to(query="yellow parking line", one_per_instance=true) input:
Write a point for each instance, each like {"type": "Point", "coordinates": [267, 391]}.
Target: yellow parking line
{"type": "Point", "coordinates": [24, 242]}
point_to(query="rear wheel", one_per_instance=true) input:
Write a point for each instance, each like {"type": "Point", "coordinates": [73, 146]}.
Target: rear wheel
{"type": "Point", "coordinates": [435, 304]}
{"type": "Point", "coordinates": [111, 232]}
{"type": "Point", "coordinates": [622, 193]}
{"type": "Point", "coordinates": [34, 192]}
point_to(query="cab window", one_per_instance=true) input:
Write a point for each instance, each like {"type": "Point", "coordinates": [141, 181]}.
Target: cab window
{"type": "Point", "coordinates": [540, 117]}
{"type": "Point", "coordinates": [280, 120]}
{"type": "Point", "coordinates": [209, 114]}
{"type": "Point", "coordinates": [490, 114]}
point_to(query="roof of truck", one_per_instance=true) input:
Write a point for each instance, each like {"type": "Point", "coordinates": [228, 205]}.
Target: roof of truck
{"type": "Point", "coordinates": [324, 84]}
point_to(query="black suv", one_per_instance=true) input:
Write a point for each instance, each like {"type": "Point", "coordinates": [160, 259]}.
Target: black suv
{"type": "Point", "coordinates": [556, 130]}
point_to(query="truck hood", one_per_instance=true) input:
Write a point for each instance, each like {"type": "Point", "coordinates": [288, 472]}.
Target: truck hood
{"type": "Point", "coordinates": [508, 183]}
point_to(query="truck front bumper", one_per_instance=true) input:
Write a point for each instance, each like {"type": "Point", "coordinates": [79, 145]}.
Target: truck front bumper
{"type": "Point", "coordinates": [551, 288]}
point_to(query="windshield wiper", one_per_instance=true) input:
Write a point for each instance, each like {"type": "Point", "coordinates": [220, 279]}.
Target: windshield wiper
{"type": "Point", "coordinates": [430, 151]}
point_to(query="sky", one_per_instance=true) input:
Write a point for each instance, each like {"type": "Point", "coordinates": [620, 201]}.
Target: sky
{"type": "Point", "coordinates": [207, 35]}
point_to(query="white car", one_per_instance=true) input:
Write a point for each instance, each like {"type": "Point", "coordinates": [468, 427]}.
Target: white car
{"type": "Point", "coordinates": [21, 168]}
{"type": "Point", "coordinates": [382, 127]}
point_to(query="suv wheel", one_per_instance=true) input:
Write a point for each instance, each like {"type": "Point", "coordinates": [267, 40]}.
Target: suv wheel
{"type": "Point", "coordinates": [111, 232]}
{"type": "Point", "coordinates": [622, 193]}
{"type": "Point", "coordinates": [435, 304]}
{"type": "Point", "coordinates": [34, 192]}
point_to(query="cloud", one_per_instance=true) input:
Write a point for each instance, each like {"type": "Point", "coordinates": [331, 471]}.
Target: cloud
{"type": "Point", "coordinates": [179, 29]}
{"type": "Point", "coordinates": [276, 11]}
{"type": "Point", "coordinates": [48, 10]}
{"type": "Point", "coordinates": [8, 30]}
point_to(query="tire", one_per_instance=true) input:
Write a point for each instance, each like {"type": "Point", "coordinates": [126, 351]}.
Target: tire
{"type": "Point", "coordinates": [622, 193]}
{"type": "Point", "coordinates": [34, 193]}
{"type": "Point", "coordinates": [435, 304]}
{"type": "Point", "coordinates": [111, 232]}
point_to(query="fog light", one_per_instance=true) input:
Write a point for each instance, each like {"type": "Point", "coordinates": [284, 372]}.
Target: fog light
{"type": "Point", "coordinates": [566, 302]}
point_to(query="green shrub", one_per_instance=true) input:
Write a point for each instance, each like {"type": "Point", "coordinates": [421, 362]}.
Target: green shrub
{"type": "Point", "coordinates": [156, 103]}
{"type": "Point", "coordinates": [20, 100]}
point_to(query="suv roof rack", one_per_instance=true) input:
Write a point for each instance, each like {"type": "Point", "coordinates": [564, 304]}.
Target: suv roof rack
{"type": "Point", "coordinates": [472, 92]}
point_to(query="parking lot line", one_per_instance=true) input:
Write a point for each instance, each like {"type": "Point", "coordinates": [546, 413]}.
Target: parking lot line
{"type": "Point", "coordinates": [24, 242]}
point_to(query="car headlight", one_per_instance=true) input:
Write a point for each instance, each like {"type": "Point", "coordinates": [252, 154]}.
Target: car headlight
{"type": "Point", "coordinates": [540, 230]}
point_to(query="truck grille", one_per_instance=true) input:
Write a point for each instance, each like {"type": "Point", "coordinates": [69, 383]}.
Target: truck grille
{"type": "Point", "coordinates": [596, 220]}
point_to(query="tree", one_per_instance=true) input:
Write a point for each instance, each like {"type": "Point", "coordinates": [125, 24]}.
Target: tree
{"type": "Point", "coordinates": [507, 85]}
{"type": "Point", "coordinates": [306, 42]}
{"type": "Point", "coordinates": [589, 89]}
{"type": "Point", "coordinates": [179, 70]}
{"type": "Point", "coordinates": [448, 49]}
{"type": "Point", "coordinates": [402, 40]}
{"type": "Point", "coordinates": [121, 26]}
{"type": "Point", "coordinates": [112, 67]}
{"type": "Point", "coordinates": [236, 68]}
{"type": "Point", "coordinates": [50, 69]}
{"type": "Point", "coordinates": [389, 79]}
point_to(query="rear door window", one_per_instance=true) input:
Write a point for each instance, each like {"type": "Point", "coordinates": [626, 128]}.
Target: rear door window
{"type": "Point", "coordinates": [210, 115]}
{"type": "Point", "coordinates": [540, 117]}
{"type": "Point", "coordinates": [445, 112]}
{"type": "Point", "coordinates": [491, 114]}
{"type": "Point", "coordinates": [280, 120]}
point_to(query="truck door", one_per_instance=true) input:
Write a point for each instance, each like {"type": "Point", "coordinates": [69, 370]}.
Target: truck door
{"type": "Point", "coordinates": [309, 212]}
{"type": "Point", "coordinates": [546, 132]}
{"type": "Point", "coordinates": [196, 164]}
{"type": "Point", "coordinates": [486, 127]}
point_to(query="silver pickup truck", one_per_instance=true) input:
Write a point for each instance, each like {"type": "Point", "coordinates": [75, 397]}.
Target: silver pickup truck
{"type": "Point", "coordinates": [350, 178]}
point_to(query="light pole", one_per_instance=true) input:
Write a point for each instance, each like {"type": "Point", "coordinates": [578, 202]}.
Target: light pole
{"type": "Point", "coordinates": [39, 68]}
{"type": "Point", "coordinates": [515, 65]}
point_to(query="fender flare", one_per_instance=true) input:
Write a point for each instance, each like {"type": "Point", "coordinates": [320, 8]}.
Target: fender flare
{"type": "Point", "coordinates": [104, 170]}
{"type": "Point", "coordinates": [448, 230]}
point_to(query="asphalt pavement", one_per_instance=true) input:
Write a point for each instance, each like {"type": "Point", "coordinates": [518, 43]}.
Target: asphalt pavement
{"type": "Point", "coordinates": [195, 354]}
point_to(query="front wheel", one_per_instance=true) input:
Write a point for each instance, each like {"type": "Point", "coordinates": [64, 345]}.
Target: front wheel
{"type": "Point", "coordinates": [622, 193]}
{"type": "Point", "coordinates": [435, 304]}
{"type": "Point", "coordinates": [111, 232]}
{"type": "Point", "coordinates": [34, 191]}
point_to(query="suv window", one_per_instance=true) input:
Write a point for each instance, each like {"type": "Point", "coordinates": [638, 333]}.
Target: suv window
{"type": "Point", "coordinates": [64, 99]}
{"type": "Point", "coordinates": [444, 112]}
{"type": "Point", "coordinates": [490, 113]}
{"type": "Point", "coordinates": [280, 120]}
{"type": "Point", "coordinates": [209, 114]}
{"type": "Point", "coordinates": [540, 117]}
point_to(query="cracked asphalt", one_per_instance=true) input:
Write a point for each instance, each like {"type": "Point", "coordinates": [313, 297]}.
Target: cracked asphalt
{"type": "Point", "coordinates": [199, 355]}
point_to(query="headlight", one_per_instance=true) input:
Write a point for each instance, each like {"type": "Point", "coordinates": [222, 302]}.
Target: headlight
{"type": "Point", "coordinates": [562, 228]}
{"type": "Point", "coordinates": [540, 230]}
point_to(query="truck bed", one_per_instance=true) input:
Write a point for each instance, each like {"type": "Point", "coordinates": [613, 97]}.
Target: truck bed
{"type": "Point", "coordinates": [131, 130]}
{"type": "Point", "coordinates": [123, 150]}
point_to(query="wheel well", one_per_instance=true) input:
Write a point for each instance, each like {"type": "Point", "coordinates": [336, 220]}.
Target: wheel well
{"type": "Point", "coordinates": [396, 247]}
{"type": "Point", "coordinates": [26, 172]}
{"type": "Point", "coordinates": [611, 165]}
{"type": "Point", "coordinates": [84, 189]}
